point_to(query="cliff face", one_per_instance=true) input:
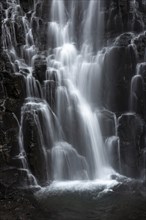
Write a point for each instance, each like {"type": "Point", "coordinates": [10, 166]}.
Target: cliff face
{"type": "Point", "coordinates": [125, 23]}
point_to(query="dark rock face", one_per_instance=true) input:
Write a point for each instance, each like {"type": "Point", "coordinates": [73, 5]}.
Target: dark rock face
{"type": "Point", "coordinates": [12, 93]}
{"type": "Point", "coordinates": [124, 16]}
{"type": "Point", "coordinates": [107, 123]}
{"type": "Point", "coordinates": [40, 33]}
{"type": "Point", "coordinates": [6, 67]}
{"type": "Point", "coordinates": [40, 68]}
{"type": "Point", "coordinates": [1, 17]}
{"type": "Point", "coordinates": [119, 67]}
{"type": "Point", "coordinates": [130, 132]}
{"type": "Point", "coordinates": [33, 147]}
{"type": "Point", "coordinates": [20, 32]}
{"type": "Point", "coordinates": [9, 149]}
{"type": "Point", "coordinates": [27, 5]}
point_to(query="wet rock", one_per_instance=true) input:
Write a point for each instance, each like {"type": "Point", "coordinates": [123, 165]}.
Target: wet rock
{"type": "Point", "coordinates": [124, 15]}
{"type": "Point", "coordinates": [143, 164]}
{"type": "Point", "coordinates": [12, 177]}
{"type": "Point", "coordinates": [39, 68]}
{"type": "Point", "coordinates": [34, 147]}
{"type": "Point", "coordinates": [114, 20]}
{"type": "Point", "coordinates": [43, 38]}
{"type": "Point", "coordinates": [130, 132]}
{"type": "Point", "coordinates": [2, 91]}
{"type": "Point", "coordinates": [38, 9]}
{"type": "Point", "coordinates": [14, 87]}
{"type": "Point", "coordinates": [50, 93]}
{"type": "Point", "coordinates": [9, 177]}
{"type": "Point", "coordinates": [138, 25]}
{"type": "Point", "coordinates": [124, 39]}
{"type": "Point", "coordinates": [137, 100]}
{"type": "Point", "coordinates": [27, 5]}
{"type": "Point", "coordinates": [40, 30]}
{"type": "Point", "coordinates": [9, 135]}
{"type": "Point", "coordinates": [13, 105]}
{"type": "Point", "coordinates": [46, 10]}
{"type": "Point", "coordinates": [113, 149]}
{"type": "Point", "coordinates": [8, 121]}
{"type": "Point", "coordinates": [107, 122]}
{"type": "Point", "coordinates": [140, 42]}
{"type": "Point", "coordinates": [1, 17]}
{"type": "Point", "coordinates": [119, 67]}
{"type": "Point", "coordinates": [4, 4]}
{"type": "Point", "coordinates": [142, 73]}
{"type": "Point", "coordinates": [34, 24]}
{"type": "Point", "coordinates": [19, 31]}
{"type": "Point", "coordinates": [6, 66]}
{"type": "Point", "coordinates": [16, 162]}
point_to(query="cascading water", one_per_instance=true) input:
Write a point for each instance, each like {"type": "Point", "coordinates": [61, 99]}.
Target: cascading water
{"type": "Point", "coordinates": [62, 99]}
{"type": "Point", "coordinates": [72, 112]}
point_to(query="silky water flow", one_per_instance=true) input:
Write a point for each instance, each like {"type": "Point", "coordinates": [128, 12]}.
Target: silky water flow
{"type": "Point", "coordinates": [71, 145]}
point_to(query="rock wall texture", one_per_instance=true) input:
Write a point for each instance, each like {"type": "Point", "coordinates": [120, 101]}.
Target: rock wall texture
{"type": "Point", "coordinates": [125, 26]}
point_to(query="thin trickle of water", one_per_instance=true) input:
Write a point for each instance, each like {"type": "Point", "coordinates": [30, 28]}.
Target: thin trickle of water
{"type": "Point", "coordinates": [113, 145]}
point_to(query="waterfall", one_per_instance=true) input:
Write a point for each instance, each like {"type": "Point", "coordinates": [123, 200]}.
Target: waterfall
{"type": "Point", "coordinates": [63, 91]}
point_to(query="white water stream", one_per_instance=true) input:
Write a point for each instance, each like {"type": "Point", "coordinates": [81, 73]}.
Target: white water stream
{"type": "Point", "coordinates": [75, 143]}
